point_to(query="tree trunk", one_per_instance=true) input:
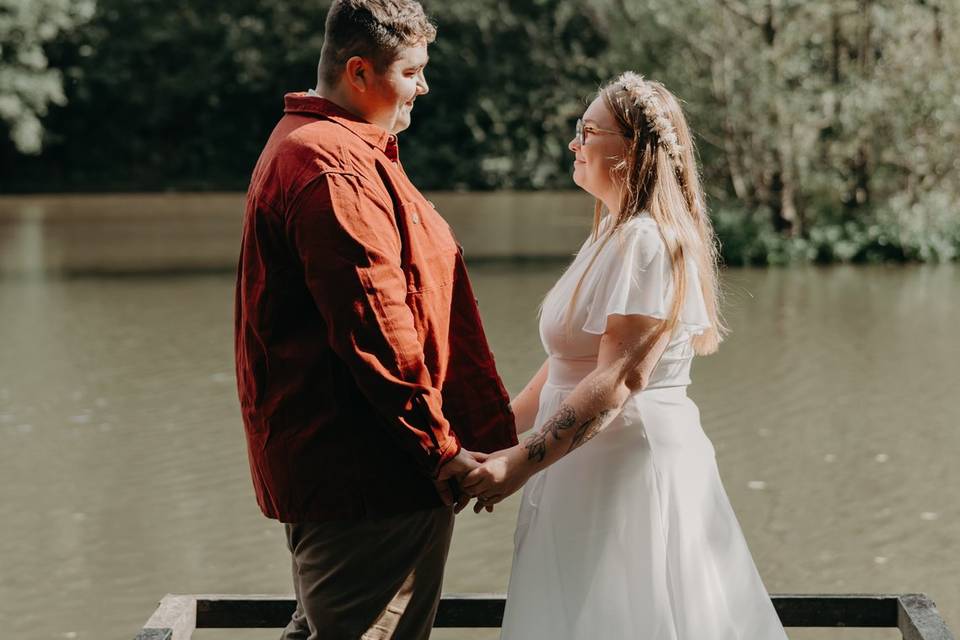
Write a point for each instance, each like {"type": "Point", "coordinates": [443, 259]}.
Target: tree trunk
{"type": "Point", "coordinates": [786, 218]}
{"type": "Point", "coordinates": [835, 46]}
{"type": "Point", "coordinates": [857, 197]}
{"type": "Point", "coordinates": [733, 153]}
{"type": "Point", "coordinates": [937, 28]}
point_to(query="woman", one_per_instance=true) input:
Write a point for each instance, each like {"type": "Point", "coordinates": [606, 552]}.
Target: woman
{"type": "Point", "coordinates": [631, 535]}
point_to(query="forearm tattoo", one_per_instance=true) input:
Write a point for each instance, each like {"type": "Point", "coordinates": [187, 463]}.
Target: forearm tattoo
{"type": "Point", "coordinates": [537, 443]}
{"type": "Point", "coordinates": [564, 420]}
{"type": "Point", "coordinates": [537, 446]}
{"type": "Point", "coordinates": [587, 430]}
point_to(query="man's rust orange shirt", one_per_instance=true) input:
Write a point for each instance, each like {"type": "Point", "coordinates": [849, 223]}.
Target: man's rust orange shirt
{"type": "Point", "coordinates": [362, 365]}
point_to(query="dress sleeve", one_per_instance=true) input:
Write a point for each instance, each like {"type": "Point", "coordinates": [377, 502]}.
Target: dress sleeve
{"type": "Point", "coordinates": [633, 276]}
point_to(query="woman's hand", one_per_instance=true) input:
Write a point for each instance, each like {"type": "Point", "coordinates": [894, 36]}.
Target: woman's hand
{"type": "Point", "coordinates": [500, 475]}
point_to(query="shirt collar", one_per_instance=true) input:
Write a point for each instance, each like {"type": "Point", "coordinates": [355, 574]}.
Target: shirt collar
{"type": "Point", "coordinates": [311, 103]}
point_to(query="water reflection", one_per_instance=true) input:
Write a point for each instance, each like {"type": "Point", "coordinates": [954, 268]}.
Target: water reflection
{"type": "Point", "coordinates": [114, 234]}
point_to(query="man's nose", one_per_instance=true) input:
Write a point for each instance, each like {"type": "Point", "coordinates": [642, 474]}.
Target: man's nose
{"type": "Point", "coordinates": [422, 87]}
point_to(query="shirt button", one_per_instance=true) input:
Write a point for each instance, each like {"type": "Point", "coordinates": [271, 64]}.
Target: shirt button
{"type": "Point", "coordinates": [415, 218]}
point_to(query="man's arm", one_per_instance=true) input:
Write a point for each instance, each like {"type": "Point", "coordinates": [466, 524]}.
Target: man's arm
{"type": "Point", "coordinates": [348, 244]}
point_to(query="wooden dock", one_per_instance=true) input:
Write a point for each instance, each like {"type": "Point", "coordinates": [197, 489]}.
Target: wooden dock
{"type": "Point", "coordinates": [914, 614]}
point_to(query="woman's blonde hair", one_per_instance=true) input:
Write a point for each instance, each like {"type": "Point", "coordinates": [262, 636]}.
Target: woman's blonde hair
{"type": "Point", "coordinates": [658, 174]}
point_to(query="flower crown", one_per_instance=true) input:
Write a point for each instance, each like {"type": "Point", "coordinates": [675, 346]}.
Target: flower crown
{"type": "Point", "coordinates": [643, 97]}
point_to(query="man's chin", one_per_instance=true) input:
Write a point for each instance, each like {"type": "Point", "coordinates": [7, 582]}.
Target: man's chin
{"type": "Point", "coordinates": [401, 123]}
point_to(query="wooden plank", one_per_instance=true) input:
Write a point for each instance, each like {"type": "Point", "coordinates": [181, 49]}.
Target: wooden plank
{"type": "Point", "coordinates": [836, 610]}
{"type": "Point", "coordinates": [486, 610]}
{"type": "Point", "coordinates": [470, 611]}
{"type": "Point", "coordinates": [918, 619]}
{"type": "Point", "coordinates": [263, 612]}
{"type": "Point", "coordinates": [217, 611]}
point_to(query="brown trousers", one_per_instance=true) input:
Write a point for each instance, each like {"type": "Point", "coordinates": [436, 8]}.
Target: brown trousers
{"type": "Point", "coordinates": [370, 579]}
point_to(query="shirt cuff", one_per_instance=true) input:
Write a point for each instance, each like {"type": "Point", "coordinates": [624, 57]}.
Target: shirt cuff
{"type": "Point", "coordinates": [449, 451]}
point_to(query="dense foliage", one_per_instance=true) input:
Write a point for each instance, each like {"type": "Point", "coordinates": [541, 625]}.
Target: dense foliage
{"type": "Point", "coordinates": [28, 86]}
{"type": "Point", "coordinates": [827, 129]}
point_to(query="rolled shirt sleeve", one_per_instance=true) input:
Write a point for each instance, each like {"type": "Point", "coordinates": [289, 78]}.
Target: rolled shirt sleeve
{"type": "Point", "coordinates": [350, 250]}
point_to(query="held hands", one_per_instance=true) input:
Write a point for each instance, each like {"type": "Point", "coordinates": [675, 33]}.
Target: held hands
{"type": "Point", "coordinates": [451, 475]}
{"type": "Point", "coordinates": [499, 476]}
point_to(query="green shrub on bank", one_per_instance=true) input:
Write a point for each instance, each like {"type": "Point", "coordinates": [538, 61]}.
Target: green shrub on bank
{"type": "Point", "coordinates": [927, 231]}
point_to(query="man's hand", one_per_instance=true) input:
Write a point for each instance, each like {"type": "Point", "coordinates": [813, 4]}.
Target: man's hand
{"type": "Point", "coordinates": [451, 475]}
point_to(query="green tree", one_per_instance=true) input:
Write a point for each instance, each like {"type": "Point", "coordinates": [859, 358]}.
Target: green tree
{"type": "Point", "coordinates": [27, 83]}
{"type": "Point", "coordinates": [173, 93]}
{"type": "Point", "coordinates": [820, 114]}
{"type": "Point", "coordinates": [508, 81]}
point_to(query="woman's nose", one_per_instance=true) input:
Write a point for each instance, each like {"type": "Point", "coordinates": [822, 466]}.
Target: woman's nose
{"type": "Point", "coordinates": [573, 145]}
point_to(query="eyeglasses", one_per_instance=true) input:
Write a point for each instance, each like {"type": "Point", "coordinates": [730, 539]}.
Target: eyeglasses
{"type": "Point", "coordinates": [584, 129]}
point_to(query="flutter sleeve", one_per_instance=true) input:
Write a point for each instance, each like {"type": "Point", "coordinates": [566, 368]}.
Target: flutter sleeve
{"type": "Point", "coordinates": [632, 276]}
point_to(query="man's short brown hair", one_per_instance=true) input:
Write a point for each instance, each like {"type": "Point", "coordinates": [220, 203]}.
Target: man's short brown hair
{"type": "Point", "coordinates": [373, 29]}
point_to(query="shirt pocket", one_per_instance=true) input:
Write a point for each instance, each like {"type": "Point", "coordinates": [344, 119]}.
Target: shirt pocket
{"type": "Point", "coordinates": [429, 249]}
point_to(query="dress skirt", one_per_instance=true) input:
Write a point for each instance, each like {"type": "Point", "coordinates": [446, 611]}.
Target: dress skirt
{"type": "Point", "coordinates": [632, 535]}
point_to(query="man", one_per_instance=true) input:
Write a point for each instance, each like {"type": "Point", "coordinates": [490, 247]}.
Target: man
{"type": "Point", "coordinates": [364, 375]}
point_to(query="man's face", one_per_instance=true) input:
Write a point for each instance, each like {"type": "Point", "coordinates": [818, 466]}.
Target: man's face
{"type": "Point", "coordinates": [390, 95]}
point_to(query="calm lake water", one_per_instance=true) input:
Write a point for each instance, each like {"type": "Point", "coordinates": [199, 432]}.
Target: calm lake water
{"type": "Point", "coordinates": [833, 408]}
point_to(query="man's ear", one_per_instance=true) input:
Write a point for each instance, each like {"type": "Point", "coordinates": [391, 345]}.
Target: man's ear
{"type": "Point", "coordinates": [357, 72]}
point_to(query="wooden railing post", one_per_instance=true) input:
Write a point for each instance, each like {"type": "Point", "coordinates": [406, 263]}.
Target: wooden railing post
{"type": "Point", "coordinates": [918, 619]}
{"type": "Point", "coordinates": [174, 619]}
{"type": "Point", "coordinates": [154, 634]}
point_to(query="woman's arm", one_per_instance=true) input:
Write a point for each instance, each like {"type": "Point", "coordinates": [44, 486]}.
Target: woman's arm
{"type": "Point", "coordinates": [629, 351]}
{"type": "Point", "coordinates": [527, 402]}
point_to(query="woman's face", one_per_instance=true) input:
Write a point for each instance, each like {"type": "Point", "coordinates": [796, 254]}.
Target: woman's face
{"type": "Point", "coordinates": [600, 151]}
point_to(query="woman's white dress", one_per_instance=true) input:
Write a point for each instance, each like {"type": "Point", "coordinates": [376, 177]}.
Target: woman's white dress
{"type": "Point", "coordinates": [632, 534]}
